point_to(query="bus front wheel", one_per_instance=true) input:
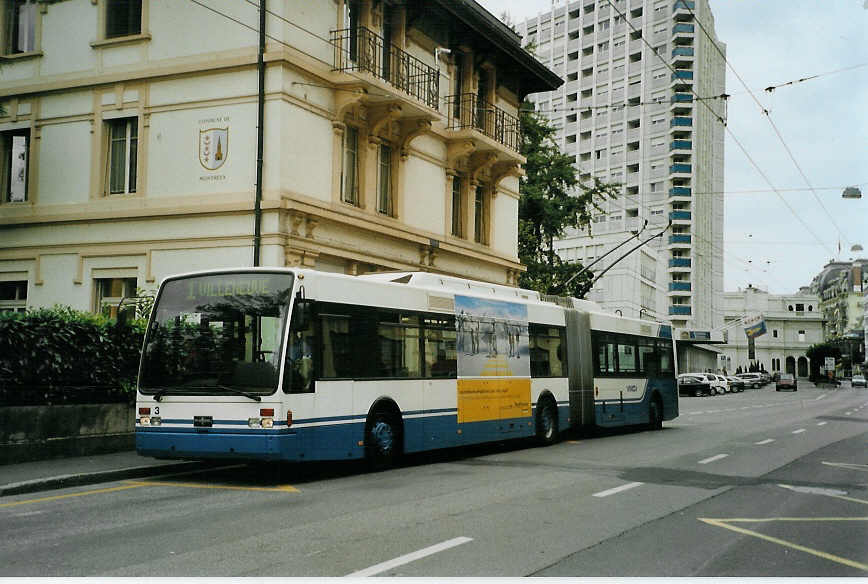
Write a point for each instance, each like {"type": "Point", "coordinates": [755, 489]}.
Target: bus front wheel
{"type": "Point", "coordinates": [382, 441]}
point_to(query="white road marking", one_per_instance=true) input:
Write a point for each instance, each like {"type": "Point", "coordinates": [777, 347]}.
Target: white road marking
{"type": "Point", "coordinates": [822, 423]}
{"type": "Point", "coordinates": [713, 458]}
{"type": "Point", "coordinates": [821, 397]}
{"type": "Point", "coordinates": [799, 431]}
{"type": "Point", "coordinates": [849, 414]}
{"type": "Point", "coordinates": [411, 557]}
{"type": "Point", "coordinates": [766, 441]}
{"type": "Point", "coordinates": [617, 490]}
{"type": "Point", "coordinates": [813, 490]}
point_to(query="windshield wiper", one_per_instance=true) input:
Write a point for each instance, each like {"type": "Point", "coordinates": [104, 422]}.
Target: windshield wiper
{"type": "Point", "coordinates": [180, 391]}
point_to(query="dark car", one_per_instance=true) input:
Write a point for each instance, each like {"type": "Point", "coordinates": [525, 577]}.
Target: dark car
{"type": "Point", "coordinates": [694, 385]}
{"type": "Point", "coordinates": [736, 383]}
{"type": "Point", "coordinates": [786, 381]}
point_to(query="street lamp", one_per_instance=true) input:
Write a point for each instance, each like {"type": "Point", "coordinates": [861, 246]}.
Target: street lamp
{"type": "Point", "coordinates": [851, 193]}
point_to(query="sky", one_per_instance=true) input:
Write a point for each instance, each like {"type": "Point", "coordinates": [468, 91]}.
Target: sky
{"type": "Point", "coordinates": [780, 241]}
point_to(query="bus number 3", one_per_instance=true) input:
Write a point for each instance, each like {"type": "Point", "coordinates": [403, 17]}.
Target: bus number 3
{"type": "Point", "coordinates": [157, 411]}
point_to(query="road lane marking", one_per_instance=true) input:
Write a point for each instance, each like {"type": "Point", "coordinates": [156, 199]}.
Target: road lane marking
{"type": "Point", "coordinates": [824, 492]}
{"type": "Point", "coordinates": [799, 431]}
{"type": "Point", "coordinates": [827, 556]}
{"type": "Point", "coordinates": [617, 489]}
{"type": "Point", "coordinates": [279, 489]}
{"type": "Point", "coordinates": [68, 495]}
{"type": "Point", "coordinates": [849, 414]}
{"type": "Point", "coordinates": [822, 423]}
{"type": "Point", "coordinates": [766, 441]}
{"type": "Point", "coordinates": [824, 396]}
{"type": "Point", "coordinates": [848, 465]}
{"type": "Point", "coordinates": [713, 458]}
{"type": "Point", "coordinates": [411, 557]}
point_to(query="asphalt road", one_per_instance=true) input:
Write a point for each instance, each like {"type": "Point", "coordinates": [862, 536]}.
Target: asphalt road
{"type": "Point", "coordinates": [752, 484]}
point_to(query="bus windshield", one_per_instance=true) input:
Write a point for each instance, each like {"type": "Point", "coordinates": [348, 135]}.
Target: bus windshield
{"type": "Point", "coordinates": [217, 334]}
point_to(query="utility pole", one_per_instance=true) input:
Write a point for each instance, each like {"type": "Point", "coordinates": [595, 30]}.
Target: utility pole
{"type": "Point", "coordinates": [260, 134]}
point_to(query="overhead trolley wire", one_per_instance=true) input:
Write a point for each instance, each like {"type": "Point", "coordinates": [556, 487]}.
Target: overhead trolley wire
{"type": "Point", "coordinates": [728, 130]}
{"type": "Point", "coordinates": [768, 117]}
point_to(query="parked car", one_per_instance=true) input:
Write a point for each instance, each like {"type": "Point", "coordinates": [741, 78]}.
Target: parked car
{"type": "Point", "coordinates": [735, 383]}
{"type": "Point", "coordinates": [765, 377]}
{"type": "Point", "coordinates": [786, 381]}
{"type": "Point", "coordinates": [858, 381]}
{"type": "Point", "coordinates": [727, 387]}
{"type": "Point", "coordinates": [694, 384]}
{"type": "Point", "coordinates": [751, 379]}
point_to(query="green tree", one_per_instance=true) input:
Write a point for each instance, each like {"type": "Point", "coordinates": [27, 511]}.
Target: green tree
{"type": "Point", "coordinates": [817, 354]}
{"type": "Point", "coordinates": [547, 207]}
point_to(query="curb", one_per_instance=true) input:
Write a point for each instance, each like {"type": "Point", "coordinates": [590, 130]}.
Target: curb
{"type": "Point", "coordinates": [74, 480]}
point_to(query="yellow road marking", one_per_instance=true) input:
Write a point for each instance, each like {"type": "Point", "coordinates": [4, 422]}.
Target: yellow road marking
{"type": "Point", "coordinates": [573, 442]}
{"type": "Point", "coordinates": [280, 489]}
{"type": "Point", "coordinates": [68, 495]}
{"type": "Point", "coordinates": [820, 554]}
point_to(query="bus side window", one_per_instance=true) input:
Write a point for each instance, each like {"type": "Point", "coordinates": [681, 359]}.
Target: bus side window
{"type": "Point", "coordinates": [665, 349]}
{"type": "Point", "coordinates": [648, 357]}
{"type": "Point", "coordinates": [299, 369]}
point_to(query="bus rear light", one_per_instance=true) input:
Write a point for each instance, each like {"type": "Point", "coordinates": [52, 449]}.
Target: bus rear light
{"type": "Point", "coordinates": [266, 412]}
{"type": "Point", "coordinates": [288, 418]}
{"type": "Point", "coordinates": [144, 411]}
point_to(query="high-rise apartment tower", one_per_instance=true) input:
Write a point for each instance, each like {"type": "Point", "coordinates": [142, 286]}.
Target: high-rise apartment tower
{"type": "Point", "coordinates": [643, 107]}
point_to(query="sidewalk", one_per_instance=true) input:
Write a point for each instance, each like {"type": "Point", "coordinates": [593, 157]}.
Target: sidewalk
{"type": "Point", "coordinates": [58, 473]}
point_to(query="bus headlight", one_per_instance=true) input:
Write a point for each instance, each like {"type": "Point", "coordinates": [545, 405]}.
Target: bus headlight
{"type": "Point", "coordinates": [145, 421]}
{"type": "Point", "coordinates": [254, 422]}
{"type": "Point", "coordinates": [267, 422]}
{"type": "Point", "coordinates": [156, 420]}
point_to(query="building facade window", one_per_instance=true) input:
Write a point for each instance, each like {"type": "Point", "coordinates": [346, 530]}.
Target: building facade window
{"type": "Point", "coordinates": [123, 18]}
{"type": "Point", "coordinates": [123, 136]}
{"type": "Point", "coordinates": [19, 27]}
{"type": "Point", "coordinates": [350, 176]}
{"type": "Point", "coordinates": [110, 291]}
{"type": "Point", "coordinates": [480, 216]}
{"type": "Point", "coordinates": [457, 231]}
{"type": "Point", "coordinates": [13, 296]}
{"type": "Point", "coordinates": [384, 179]}
{"type": "Point", "coordinates": [15, 149]}
{"type": "Point", "coordinates": [801, 336]}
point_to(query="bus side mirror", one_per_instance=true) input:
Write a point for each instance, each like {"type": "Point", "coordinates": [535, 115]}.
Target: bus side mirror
{"type": "Point", "coordinates": [301, 314]}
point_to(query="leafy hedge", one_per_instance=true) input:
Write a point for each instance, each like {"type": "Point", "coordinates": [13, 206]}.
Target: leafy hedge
{"type": "Point", "coordinates": [60, 355]}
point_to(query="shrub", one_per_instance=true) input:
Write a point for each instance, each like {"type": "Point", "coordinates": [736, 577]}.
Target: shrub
{"type": "Point", "coordinates": [58, 354]}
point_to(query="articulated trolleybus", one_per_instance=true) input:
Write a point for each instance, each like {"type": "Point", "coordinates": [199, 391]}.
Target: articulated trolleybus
{"type": "Point", "coordinates": [298, 365]}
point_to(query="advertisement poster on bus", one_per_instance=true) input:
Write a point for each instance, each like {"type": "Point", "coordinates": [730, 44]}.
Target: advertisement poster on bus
{"type": "Point", "coordinates": [493, 359]}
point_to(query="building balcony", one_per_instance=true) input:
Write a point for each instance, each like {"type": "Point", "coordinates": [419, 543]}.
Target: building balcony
{"type": "Point", "coordinates": [680, 121]}
{"type": "Point", "coordinates": [362, 50]}
{"type": "Point", "coordinates": [680, 287]}
{"type": "Point", "coordinates": [681, 98]}
{"type": "Point", "coordinates": [684, 5]}
{"type": "Point", "coordinates": [681, 74]}
{"type": "Point", "coordinates": [681, 145]}
{"type": "Point", "coordinates": [682, 52]}
{"type": "Point", "coordinates": [680, 168]}
{"type": "Point", "coordinates": [682, 27]}
{"type": "Point", "coordinates": [680, 309]}
{"type": "Point", "coordinates": [680, 192]}
{"type": "Point", "coordinates": [679, 262]}
{"type": "Point", "coordinates": [679, 238]}
{"type": "Point", "coordinates": [679, 216]}
{"type": "Point", "coordinates": [466, 111]}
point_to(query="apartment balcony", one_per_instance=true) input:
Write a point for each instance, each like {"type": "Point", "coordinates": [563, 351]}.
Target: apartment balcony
{"type": "Point", "coordinates": [680, 287]}
{"type": "Point", "coordinates": [680, 192]}
{"type": "Point", "coordinates": [465, 112]}
{"type": "Point", "coordinates": [681, 145]}
{"type": "Point", "coordinates": [683, 28]}
{"type": "Point", "coordinates": [682, 75]}
{"type": "Point", "coordinates": [679, 238]}
{"type": "Point", "coordinates": [386, 67]}
{"type": "Point", "coordinates": [682, 52]}
{"type": "Point", "coordinates": [684, 5]}
{"type": "Point", "coordinates": [680, 168]}
{"type": "Point", "coordinates": [679, 262]}
{"type": "Point", "coordinates": [680, 121]}
{"type": "Point", "coordinates": [680, 309]}
{"type": "Point", "coordinates": [681, 98]}
{"type": "Point", "coordinates": [679, 216]}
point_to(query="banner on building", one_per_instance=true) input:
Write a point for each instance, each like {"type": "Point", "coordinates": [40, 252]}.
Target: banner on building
{"type": "Point", "coordinates": [754, 325]}
{"type": "Point", "coordinates": [751, 348]}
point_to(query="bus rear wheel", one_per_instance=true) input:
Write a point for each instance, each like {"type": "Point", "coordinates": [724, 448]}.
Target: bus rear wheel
{"type": "Point", "coordinates": [547, 423]}
{"type": "Point", "coordinates": [382, 441]}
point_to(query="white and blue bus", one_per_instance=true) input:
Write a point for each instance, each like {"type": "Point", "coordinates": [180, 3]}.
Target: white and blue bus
{"type": "Point", "coordinates": [299, 365]}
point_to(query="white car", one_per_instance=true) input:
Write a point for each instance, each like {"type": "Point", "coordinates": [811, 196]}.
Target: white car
{"type": "Point", "coordinates": [727, 387]}
{"type": "Point", "coordinates": [718, 386]}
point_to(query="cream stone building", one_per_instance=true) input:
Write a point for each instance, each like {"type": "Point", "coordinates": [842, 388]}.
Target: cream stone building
{"type": "Point", "coordinates": [129, 141]}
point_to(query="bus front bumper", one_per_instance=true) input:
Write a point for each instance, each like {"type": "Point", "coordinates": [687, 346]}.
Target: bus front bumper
{"type": "Point", "coordinates": [265, 445]}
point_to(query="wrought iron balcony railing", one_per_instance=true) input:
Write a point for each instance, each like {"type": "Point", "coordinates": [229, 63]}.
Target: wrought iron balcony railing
{"type": "Point", "coordinates": [360, 49]}
{"type": "Point", "coordinates": [466, 110]}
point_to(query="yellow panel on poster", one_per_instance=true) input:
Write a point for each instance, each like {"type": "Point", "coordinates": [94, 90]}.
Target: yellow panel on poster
{"type": "Point", "coordinates": [481, 400]}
